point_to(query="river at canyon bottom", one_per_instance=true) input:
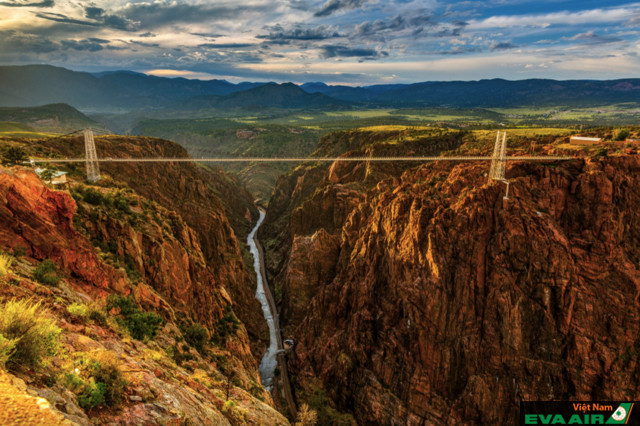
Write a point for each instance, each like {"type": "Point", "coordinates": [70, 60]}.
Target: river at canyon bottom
{"type": "Point", "coordinates": [268, 364]}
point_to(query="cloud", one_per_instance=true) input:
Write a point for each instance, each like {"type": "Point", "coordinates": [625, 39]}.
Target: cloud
{"type": "Point", "coordinates": [335, 51]}
{"type": "Point", "coordinates": [97, 16]}
{"type": "Point", "coordinates": [157, 14]}
{"type": "Point", "coordinates": [421, 23]}
{"type": "Point", "coordinates": [90, 45]}
{"type": "Point", "coordinates": [113, 21]}
{"type": "Point", "coordinates": [226, 45]}
{"type": "Point", "coordinates": [332, 6]}
{"type": "Point", "coordinates": [591, 37]}
{"type": "Point", "coordinates": [321, 32]}
{"type": "Point", "coordinates": [458, 50]}
{"type": "Point", "coordinates": [556, 18]}
{"type": "Point", "coordinates": [147, 34]}
{"type": "Point", "coordinates": [44, 3]}
{"type": "Point", "coordinates": [502, 46]}
{"type": "Point", "coordinates": [58, 17]}
{"type": "Point", "coordinates": [369, 28]}
{"type": "Point", "coordinates": [143, 44]}
{"type": "Point", "coordinates": [12, 41]}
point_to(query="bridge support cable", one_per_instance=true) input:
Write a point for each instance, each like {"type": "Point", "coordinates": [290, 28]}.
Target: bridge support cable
{"type": "Point", "coordinates": [93, 167]}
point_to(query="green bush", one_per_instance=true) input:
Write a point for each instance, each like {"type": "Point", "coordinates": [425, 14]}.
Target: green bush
{"type": "Point", "coordinates": [45, 273]}
{"type": "Point", "coordinates": [100, 383]}
{"type": "Point", "coordinates": [196, 335]}
{"type": "Point", "coordinates": [34, 332]}
{"type": "Point", "coordinates": [139, 324]}
{"type": "Point", "coordinates": [7, 348]}
{"type": "Point", "coordinates": [96, 315]}
{"type": "Point", "coordinates": [92, 396]}
{"type": "Point", "coordinates": [14, 155]}
{"type": "Point", "coordinates": [121, 203]}
{"type": "Point", "coordinates": [93, 196]}
{"type": "Point", "coordinates": [105, 370]}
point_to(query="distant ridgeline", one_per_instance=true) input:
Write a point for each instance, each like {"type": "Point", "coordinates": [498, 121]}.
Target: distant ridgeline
{"type": "Point", "coordinates": [125, 90]}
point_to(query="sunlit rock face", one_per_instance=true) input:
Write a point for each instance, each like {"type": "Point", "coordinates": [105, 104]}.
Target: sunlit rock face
{"type": "Point", "coordinates": [434, 299]}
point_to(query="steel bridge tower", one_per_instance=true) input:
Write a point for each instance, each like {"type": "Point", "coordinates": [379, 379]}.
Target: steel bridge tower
{"type": "Point", "coordinates": [496, 172]}
{"type": "Point", "coordinates": [93, 167]}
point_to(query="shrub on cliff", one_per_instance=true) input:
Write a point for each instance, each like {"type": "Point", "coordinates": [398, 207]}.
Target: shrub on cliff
{"type": "Point", "coordinates": [29, 335]}
{"type": "Point", "coordinates": [99, 382]}
{"type": "Point", "coordinates": [196, 335]}
{"type": "Point", "coordinates": [88, 313]}
{"type": "Point", "coordinates": [306, 416]}
{"type": "Point", "coordinates": [5, 264]}
{"type": "Point", "coordinates": [139, 324]}
{"type": "Point", "coordinates": [45, 273]}
{"type": "Point", "coordinates": [7, 348]}
{"type": "Point", "coordinates": [226, 326]}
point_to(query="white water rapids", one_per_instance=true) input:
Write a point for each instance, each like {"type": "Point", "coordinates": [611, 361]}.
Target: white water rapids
{"type": "Point", "coordinates": [268, 364]}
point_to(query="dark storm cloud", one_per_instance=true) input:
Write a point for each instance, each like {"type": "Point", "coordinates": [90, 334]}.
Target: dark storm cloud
{"type": "Point", "coordinates": [321, 32]}
{"type": "Point", "coordinates": [89, 45]}
{"type": "Point", "coordinates": [418, 24]}
{"type": "Point", "coordinates": [458, 50]}
{"type": "Point", "coordinates": [57, 17]}
{"type": "Point", "coordinates": [332, 6]}
{"type": "Point", "coordinates": [113, 21]}
{"type": "Point", "coordinates": [151, 15]}
{"type": "Point", "coordinates": [45, 3]}
{"type": "Point", "coordinates": [143, 44]}
{"type": "Point", "coordinates": [502, 46]}
{"type": "Point", "coordinates": [225, 45]}
{"type": "Point", "coordinates": [97, 16]}
{"type": "Point", "coordinates": [11, 41]}
{"type": "Point", "coordinates": [338, 51]}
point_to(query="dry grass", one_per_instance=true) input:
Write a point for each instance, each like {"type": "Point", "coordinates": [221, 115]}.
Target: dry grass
{"type": "Point", "coordinates": [5, 264]}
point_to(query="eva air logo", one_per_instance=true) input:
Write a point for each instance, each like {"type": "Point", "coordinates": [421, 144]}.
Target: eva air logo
{"type": "Point", "coordinates": [621, 415]}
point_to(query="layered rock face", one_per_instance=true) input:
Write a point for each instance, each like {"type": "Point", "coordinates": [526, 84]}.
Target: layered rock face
{"type": "Point", "coordinates": [436, 301]}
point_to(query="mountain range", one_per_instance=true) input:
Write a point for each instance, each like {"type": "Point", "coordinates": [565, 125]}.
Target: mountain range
{"type": "Point", "coordinates": [33, 85]}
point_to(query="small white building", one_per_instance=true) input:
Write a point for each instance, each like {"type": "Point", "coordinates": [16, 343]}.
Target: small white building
{"type": "Point", "coordinates": [57, 177]}
{"type": "Point", "coordinates": [583, 140]}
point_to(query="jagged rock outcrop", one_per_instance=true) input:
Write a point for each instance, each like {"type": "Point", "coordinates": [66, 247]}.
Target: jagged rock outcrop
{"type": "Point", "coordinates": [39, 222]}
{"type": "Point", "coordinates": [445, 304]}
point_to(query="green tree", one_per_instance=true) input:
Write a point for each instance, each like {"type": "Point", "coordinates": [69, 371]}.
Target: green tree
{"type": "Point", "coordinates": [14, 155]}
{"type": "Point", "coordinates": [623, 135]}
{"type": "Point", "coordinates": [47, 175]}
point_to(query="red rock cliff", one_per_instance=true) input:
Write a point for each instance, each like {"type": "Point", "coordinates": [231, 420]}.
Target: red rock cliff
{"type": "Point", "coordinates": [437, 301]}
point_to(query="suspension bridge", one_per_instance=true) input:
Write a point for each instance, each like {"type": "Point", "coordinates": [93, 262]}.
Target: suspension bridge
{"type": "Point", "coordinates": [496, 171]}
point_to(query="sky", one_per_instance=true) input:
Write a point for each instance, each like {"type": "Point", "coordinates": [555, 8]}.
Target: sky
{"type": "Point", "coordinates": [353, 42]}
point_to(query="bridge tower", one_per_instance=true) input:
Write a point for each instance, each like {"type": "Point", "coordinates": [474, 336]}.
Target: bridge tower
{"type": "Point", "coordinates": [93, 168]}
{"type": "Point", "coordinates": [496, 172]}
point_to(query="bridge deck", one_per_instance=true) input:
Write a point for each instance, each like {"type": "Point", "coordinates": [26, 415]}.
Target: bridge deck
{"type": "Point", "coordinates": [295, 159]}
